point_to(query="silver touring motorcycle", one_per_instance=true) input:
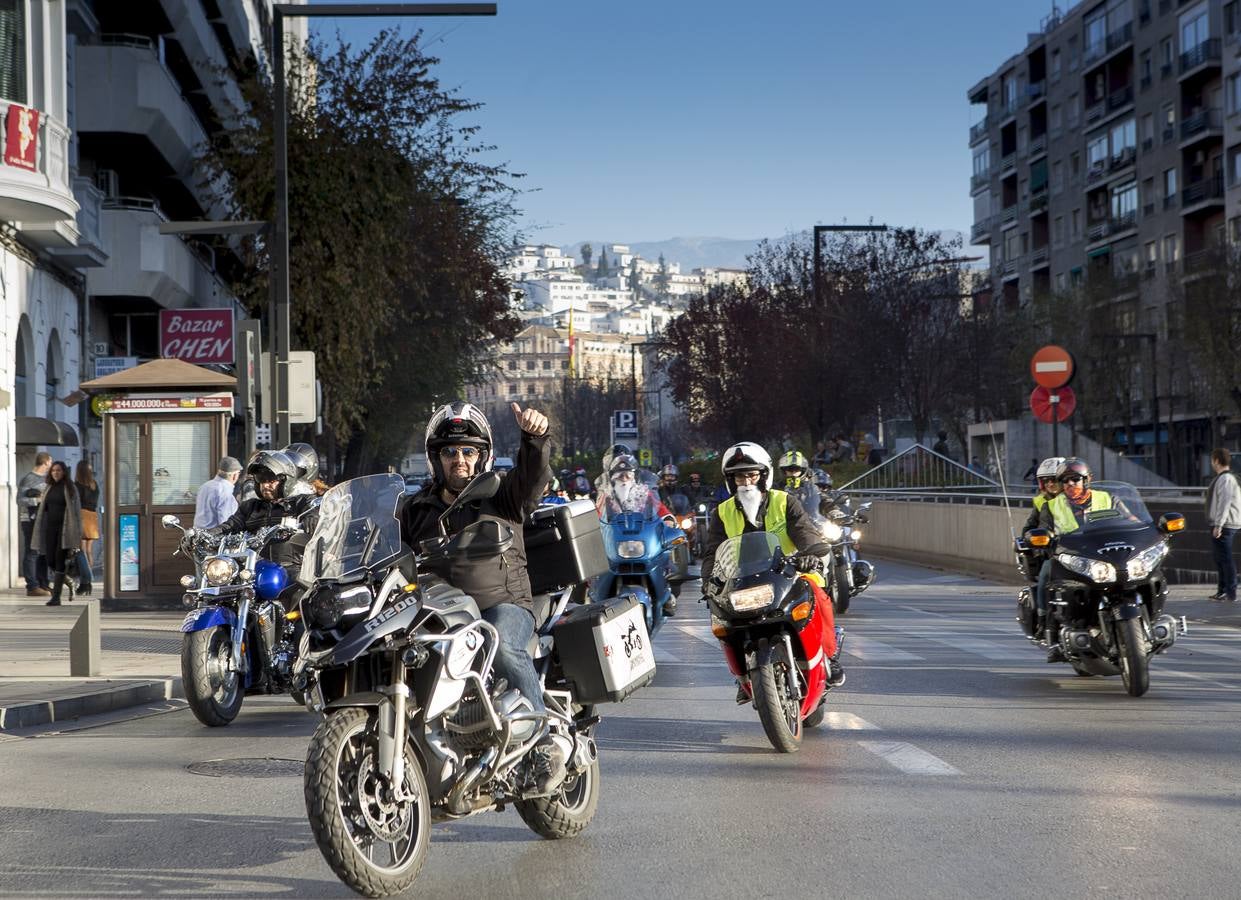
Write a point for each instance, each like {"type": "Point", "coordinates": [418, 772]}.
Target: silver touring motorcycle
{"type": "Point", "coordinates": [416, 726]}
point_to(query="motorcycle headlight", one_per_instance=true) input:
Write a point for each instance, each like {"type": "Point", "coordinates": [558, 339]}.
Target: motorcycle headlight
{"type": "Point", "coordinates": [855, 535]}
{"type": "Point", "coordinates": [1096, 570]}
{"type": "Point", "coordinates": [752, 598]}
{"type": "Point", "coordinates": [187, 581]}
{"type": "Point", "coordinates": [831, 531]}
{"type": "Point", "coordinates": [687, 524]}
{"type": "Point", "coordinates": [631, 549]}
{"type": "Point", "coordinates": [220, 570]}
{"type": "Point", "coordinates": [1146, 562]}
{"type": "Point", "coordinates": [325, 608]}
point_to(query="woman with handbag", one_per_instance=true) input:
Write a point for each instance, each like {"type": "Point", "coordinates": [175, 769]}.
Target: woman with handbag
{"type": "Point", "coordinates": [58, 526]}
{"type": "Point", "coordinates": [88, 491]}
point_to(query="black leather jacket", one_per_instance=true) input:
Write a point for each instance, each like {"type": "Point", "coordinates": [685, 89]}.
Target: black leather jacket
{"type": "Point", "coordinates": [489, 581]}
{"type": "Point", "coordinates": [257, 513]}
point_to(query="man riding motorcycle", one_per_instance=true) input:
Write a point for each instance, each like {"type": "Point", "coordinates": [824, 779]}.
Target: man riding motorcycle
{"type": "Point", "coordinates": [1049, 489]}
{"type": "Point", "coordinates": [1066, 511]}
{"type": "Point", "coordinates": [669, 483]}
{"type": "Point", "coordinates": [280, 493]}
{"type": "Point", "coordinates": [459, 446]}
{"type": "Point", "coordinates": [753, 506]}
{"type": "Point", "coordinates": [795, 468]}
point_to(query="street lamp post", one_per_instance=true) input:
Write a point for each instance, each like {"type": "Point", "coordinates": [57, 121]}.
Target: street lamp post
{"type": "Point", "coordinates": [279, 249]}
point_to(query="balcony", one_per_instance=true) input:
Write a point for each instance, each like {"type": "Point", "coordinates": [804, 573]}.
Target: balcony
{"type": "Point", "coordinates": [1038, 202]}
{"type": "Point", "coordinates": [1008, 162]}
{"type": "Point", "coordinates": [1038, 146]}
{"type": "Point", "coordinates": [1119, 99]}
{"type": "Point", "coordinates": [1205, 124]}
{"type": "Point", "coordinates": [1200, 262]}
{"type": "Point", "coordinates": [155, 109]}
{"type": "Point", "coordinates": [1094, 52]}
{"type": "Point", "coordinates": [1205, 55]}
{"type": "Point", "coordinates": [145, 263]}
{"type": "Point", "coordinates": [1039, 257]}
{"type": "Point", "coordinates": [1008, 216]}
{"type": "Point", "coordinates": [1096, 172]}
{"type": "Point", "coordinates": [981, 232]}
{"type": "Point", "coordinates": [980, 180]}
{"type": "Point", "coordinates": [1096, 112]}
{"type": "Point", "coordinates": [1202, 195]}
{"type": "Point", "coordinates": [91, 249]}
{"type": "Point", "coordinates": [1120, 38]}
{"type": "Point", "coordinates": [1036, 92]}
{"type": "Point", "coordinates": [978, 131]}
{"type": "Point", "coordinates": [40, 200]}
{"type": "Point", "coordinates": [1123, 159]}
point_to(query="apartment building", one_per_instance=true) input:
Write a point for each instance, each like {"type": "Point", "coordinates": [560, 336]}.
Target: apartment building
{"type": "Point", "coordinates": [1111, 145]}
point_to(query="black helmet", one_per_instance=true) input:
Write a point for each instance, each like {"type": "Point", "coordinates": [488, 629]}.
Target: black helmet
{"type": "Point", "coordinates": [458, 422]}
{"type": "Point", "coordinates": [623, 463]}
{"type": "Point", "coordinates": [306, 458]}
{"type": "Point", "coordinates": [670, 469]}
{"type": "Point", "coordinates": [822, 479]}
{"type": "Point", "coordinates": [1074, 465]}
{"type": "Point", "coordinates": [266, 463]}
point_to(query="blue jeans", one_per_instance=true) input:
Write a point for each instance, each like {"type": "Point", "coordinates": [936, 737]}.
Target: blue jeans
{"type": "Point", "coordinates": [513, 662]}
{"type": "Point", "coordinates": [34, 565]}
{"type": "Point", "coordinates": [85, 576]}
{"type": "Point", "coordinates": [1222, 547]}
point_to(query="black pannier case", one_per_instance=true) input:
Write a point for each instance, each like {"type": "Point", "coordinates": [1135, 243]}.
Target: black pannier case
{"type": "Point", "coordinates": [564, 546]}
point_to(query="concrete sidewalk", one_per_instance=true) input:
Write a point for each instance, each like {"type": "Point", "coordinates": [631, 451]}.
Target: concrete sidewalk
{"type": "Point", "coordinates": [141, 663]}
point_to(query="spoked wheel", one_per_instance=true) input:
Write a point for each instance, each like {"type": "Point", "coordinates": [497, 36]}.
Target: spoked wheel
{"type": "Point", "coordinates": [213, 692]}
{"type": "Point", "coordinates": [565, 814]}
{"type": "Point", "coordinates": [1134, 664]}
{"type": "Point", "coordinates": [775, 697]}
{"type": "Point", "coordinates": [374, 842]}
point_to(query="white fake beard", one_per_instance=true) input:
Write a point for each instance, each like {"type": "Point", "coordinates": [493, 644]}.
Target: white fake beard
{"type": "Point", "coordinates": [750, 498]}
{"type": "Point", "coordinates": [621, 491]}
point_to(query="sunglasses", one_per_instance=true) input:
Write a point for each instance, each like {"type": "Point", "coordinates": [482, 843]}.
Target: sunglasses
{"type": "Point", "coordinates": [1073, 479]}
{"type": "Point", "coordinates": [748, 476]}
{"type": "Point", "coordinates": [463, 452]}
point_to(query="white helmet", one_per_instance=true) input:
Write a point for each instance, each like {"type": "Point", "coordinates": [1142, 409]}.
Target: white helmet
{"type": "Point", "coordinates": [744, 456]}
{"type": "Point", "coordinates": [1047, 468]}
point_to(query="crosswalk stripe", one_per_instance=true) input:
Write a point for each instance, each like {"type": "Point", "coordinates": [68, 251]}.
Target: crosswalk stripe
{"type": "Point", "coordinates": [908, 758]}
{"type": "Point", "coordinates": [703, 635]}
{"type": "Point", "coordinates": [844, 721]}
{"type": "Point", "coordinates": [870, 649]}
{"type": "Point", "coordinates": [967, 644]}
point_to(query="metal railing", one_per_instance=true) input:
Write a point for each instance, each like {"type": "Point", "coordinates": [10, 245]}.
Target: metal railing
{"type": "Point", "coordinates": [981, 229]}
{"type": "Point", "coordinates": [979, 130]}
{"type": "Point", "coordinates": [920, 469]}
{"type": "Point", "coordinates": [1038, 145]}
{"type": "Point", "coordinates": [1118, 38]}
{"type": "Point", "coordinates": [1206, 52]}
{"type": "Point", "coordinates": [1202, 122]}
{"type": "Point", "coordinates": [1120, 98]}
{"type": "Point", "coordinates": [1202, 191]}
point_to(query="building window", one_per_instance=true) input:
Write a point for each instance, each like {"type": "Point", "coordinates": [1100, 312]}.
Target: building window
{"type": "Point", "coordinates": [1232, 19]}
{"type": "Point", "coordinates": [982, 161]}
{"type": "Point", "coordinates": [1096, 155]}
{"type": "Point", "coordinates": [1171, 248]}
{"type": "Point", "coordinates": [1124, 139]}
{"type": "Point", "coordinates": [1055, 65]}
{"type": "Point", "coordinates": [1057, 177]}
{"type": "Point", "coordinates": [1145, 67]}
{"type": "Point", "coordinates": [1075, 165]}
{"type": "Point", "coordinates": [1148, 131]}
{"type": "Point", "coordinates": [1095, 34]}
{"type": "Point", "coordinates": [1075, 225]}
{"type": "Point", "coordinates": [1055, 118]}
{"type": "Point", "coordinates": [547, 364]}
{"type": "Point", "coordinates": [564, 364]}
{"type": "Point", "coordinates": [1234, 229]}
{"type": "Point", "coordinates": [1152, 254]}
{"type": "Point", "coordinates": [1233, 94]}
{"type": "Point", "coordinates": [1195, 32]}
{"type": "Point", "coordinates": [1060, 283]}
{"type": "Point", "coordinates": [13, 50]}
{"type": "Point", "coordinates": [512, 365]}
{"type": "Point", "coordinates": [1074, 110]}
{"type": "Point", "coordinates": [1073, 54]}
{"type": "Point", "coordinates": [1125, 202]}
{"type": "Point", "coordinates": [1169, 183]}
{"type": "Point", "coordinates": [1165, 55]}
{"type": "Point", "coordinates": [1057, 232]}
{"type": "Point", "coordinates": [529, 365]}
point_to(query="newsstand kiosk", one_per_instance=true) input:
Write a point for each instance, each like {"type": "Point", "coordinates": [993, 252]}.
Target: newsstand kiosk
{"type": "Point", "coordinates": [165, 427]}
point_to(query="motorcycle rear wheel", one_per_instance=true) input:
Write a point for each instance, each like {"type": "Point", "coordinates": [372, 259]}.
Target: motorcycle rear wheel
{"type": "Point", "coordinates": [567, 813]}
{"type": "Point", "coordinates": [213, 693]}
{"type": "Point", "coordinates": [374, 844]}
{"type": "Point", "coordinates": [1134, 665]}
{"type": "Point", "coordinates": [777, 704]}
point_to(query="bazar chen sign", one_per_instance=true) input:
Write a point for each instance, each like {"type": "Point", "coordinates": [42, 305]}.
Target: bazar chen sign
{"type": "Point", "coordinates": [198, 336]}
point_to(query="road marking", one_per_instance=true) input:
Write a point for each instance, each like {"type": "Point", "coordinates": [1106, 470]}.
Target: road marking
{"type": "Point", "coordinates": [908, 758]}
{"type": "Point", "coordinates": [703, 635]}
{"type": "Point", "coordinates": [664, 656]}
{"type": "Point", "coordinates": [845, 721]}
{"type": "Point", "coordinates": [965, 643]}
{"type": "Point", "coordinates": [868, 648]}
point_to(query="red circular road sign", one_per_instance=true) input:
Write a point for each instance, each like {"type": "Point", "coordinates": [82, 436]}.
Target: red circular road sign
{"type": "Point", "coordinates": [1052, 366]}
{"type": "Point", "coordinates": [1045, 410]}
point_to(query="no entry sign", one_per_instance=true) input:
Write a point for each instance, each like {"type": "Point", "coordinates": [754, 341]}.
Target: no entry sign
{"type": "Point", "coordinates": [1052, 367]}
{"type": "Point", "coordinates": [1052, 405]}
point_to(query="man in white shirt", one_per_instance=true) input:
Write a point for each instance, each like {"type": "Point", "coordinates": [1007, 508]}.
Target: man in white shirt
{"type": "Point", "coordinates": [215, 501]}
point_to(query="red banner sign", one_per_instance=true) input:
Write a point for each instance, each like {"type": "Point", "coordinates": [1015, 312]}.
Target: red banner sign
{"type": "Point", "coordinates": [199, 336]}
{"type": "Point", "coordinates": [21, 137]}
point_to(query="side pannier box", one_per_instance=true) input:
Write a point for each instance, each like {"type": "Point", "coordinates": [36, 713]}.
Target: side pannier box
{"type": "Point", "coordinates": [564, 546]}
{"type": "Point", "coordinates": [604, 649]}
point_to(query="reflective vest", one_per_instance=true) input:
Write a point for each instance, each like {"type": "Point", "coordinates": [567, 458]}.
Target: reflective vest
{"type": "Point", "coordinates": [1062, 511]}
{"type": "Point", "coordinates": [1040, 500]}
{"type": "Point", "coordinates": [775, 520]}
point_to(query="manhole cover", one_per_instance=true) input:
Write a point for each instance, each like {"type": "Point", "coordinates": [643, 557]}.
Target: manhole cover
{"type": "Point", "coordinates": [264, 767]}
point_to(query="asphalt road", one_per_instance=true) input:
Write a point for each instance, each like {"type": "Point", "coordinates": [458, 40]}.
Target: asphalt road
{"type": "Point", "coordinates": [955, 763]}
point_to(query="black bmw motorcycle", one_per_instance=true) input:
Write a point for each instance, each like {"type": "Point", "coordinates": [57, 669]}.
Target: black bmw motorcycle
{"type": "Point", "coordinates": [1107, 589]}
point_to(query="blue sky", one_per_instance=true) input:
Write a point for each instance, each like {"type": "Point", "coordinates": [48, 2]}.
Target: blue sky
{"type": "Point", "coordinates": [648, 120]}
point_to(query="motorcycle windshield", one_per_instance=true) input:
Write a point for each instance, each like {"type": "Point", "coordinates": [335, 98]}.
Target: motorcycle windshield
{"type": "Point", "coordinates": [357, 529]}
{"type": "Point", "coordinates": [745, 555]}
{"type": "Point", "coordinates": [1122, 508]}
{"type": "Point", "coordinates": [628, 497]}
{"type": "Point", "coordinates": [679, 504]}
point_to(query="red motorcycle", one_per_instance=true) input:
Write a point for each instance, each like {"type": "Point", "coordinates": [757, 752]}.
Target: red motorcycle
{"type": "Point", "coordinates": [777, 631]}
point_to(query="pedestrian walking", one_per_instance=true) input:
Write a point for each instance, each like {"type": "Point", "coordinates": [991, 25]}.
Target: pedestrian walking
{"type": "Point", "coordinates": [88, 493]}
{"type": "Point", "coordinates": [1224, 517]}
{"type": "Point", "coordinates": [215, 502]}
{"type": "Point", "coordinates": [941, 445]}
{"type": "Point", "coordinates": [58, 526]}
{"type": "Point", "coordinates": [29, 493]}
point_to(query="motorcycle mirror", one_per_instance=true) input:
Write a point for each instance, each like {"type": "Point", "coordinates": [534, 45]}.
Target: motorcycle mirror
{"type": "Point", "coordinates": [1039, 537]}
{"type": "Point", "coordinates": [170, 521]}
{"type": "Point", "coordinates": [1171, 523]}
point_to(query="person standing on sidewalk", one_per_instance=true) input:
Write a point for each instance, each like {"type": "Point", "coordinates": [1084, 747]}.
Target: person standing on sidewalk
{"type": "Point", "coordinates": [216, 503]}
{"type": "Point", "coordinates": [58, 526]}
{"type": "Point", "coordinates": [1224, 515]}
{"type": "Point", "coordinates": [88, 492]}
{"type": "Point", "coordinates": [29, 493]}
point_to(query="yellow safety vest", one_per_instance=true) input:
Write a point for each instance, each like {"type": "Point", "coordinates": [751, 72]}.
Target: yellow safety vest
{"type": "Point", "coordinates": [775, 520]}
{"type": "Point", "coordinates": [1062, 512]}
{"type": "Point", "coordinates": [1040, 500]}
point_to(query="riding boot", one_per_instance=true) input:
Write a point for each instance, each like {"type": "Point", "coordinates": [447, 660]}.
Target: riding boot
{"type": "Point", "coordinates": [57, 586]}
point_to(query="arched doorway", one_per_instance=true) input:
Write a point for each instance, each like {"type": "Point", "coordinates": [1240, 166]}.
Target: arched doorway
{"type": "Point", "coordinates": [54, 373]}
{"type": "Point", "coordinates": [23, 386]}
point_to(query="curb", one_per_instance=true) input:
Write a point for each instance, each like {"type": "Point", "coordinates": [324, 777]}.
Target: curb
{"type": "Point", "coordinates": [116, 696]}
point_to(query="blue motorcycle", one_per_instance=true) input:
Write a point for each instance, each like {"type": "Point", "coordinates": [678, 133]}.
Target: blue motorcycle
{"type": "Point", "coordinates": [640, 548]}
{"type": "Point", "coordinates": [238, 637]}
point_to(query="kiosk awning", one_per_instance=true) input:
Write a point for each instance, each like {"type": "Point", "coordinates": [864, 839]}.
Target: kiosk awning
{"type": "Point", "coordinates": [33, 431]}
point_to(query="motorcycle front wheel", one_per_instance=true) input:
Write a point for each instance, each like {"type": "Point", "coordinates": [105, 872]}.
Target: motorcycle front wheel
{"type": "Point", "coordinates": [840, 592]}
{"type": "Point", "coordinates": [778, 707]}
{"type": "Point", "coordinates": [1134, 665]}
{"type": "Point", "coordinates": [373, 842]}
{"type": "Point", "coordinates": [213, 692]}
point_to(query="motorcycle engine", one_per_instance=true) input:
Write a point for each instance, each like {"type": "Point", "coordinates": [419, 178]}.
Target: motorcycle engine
{"type": "Point", "coordinates": [468, 729]}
